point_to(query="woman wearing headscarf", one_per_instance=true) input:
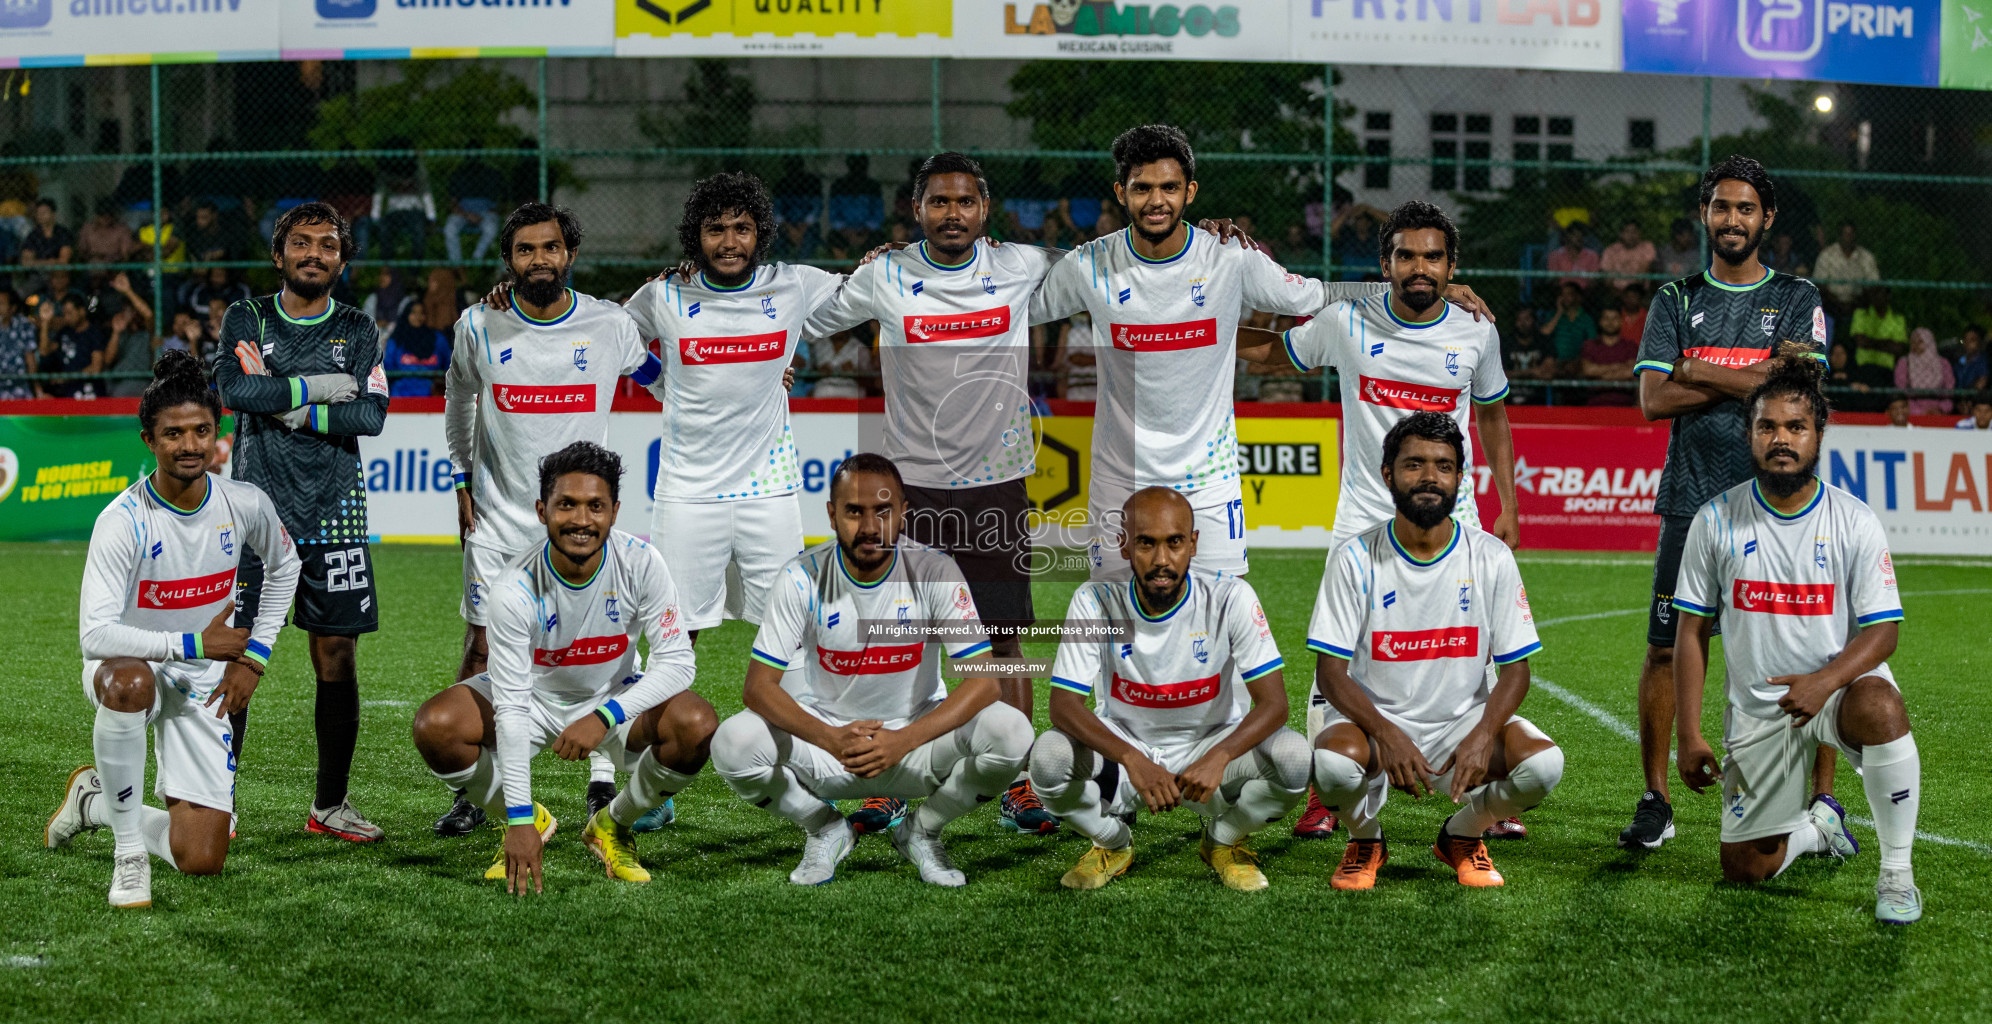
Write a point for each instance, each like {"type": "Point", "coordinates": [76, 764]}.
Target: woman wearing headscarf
{"type": "Point", "coordinates": [1924, 369]}
{"type": "Point", "coordinates": [415, 345]}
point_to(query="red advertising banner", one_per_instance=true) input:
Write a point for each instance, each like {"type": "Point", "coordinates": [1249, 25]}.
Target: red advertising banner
{"type": "Point", "coordinates": [1583, 487]}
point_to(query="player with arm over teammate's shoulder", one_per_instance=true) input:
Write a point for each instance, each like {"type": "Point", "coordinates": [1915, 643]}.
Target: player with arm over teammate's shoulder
{"type": "Point", "coordinates": [871, 615]}
{"type": "Point", "coordinates": [564, 619]}
{"type": "Point", "coordinates": [1800, 572]}
{"type": "Point", "coordinates": [158, 646]}
{"type": "Point", "coordinates": [1409, 615]}
{"type": "Point", "coordinates": [1168, 725]}
{"type": "Point", "coordinates": [303, 373]}
{"type": "Point", "coordinates": [525, 381]}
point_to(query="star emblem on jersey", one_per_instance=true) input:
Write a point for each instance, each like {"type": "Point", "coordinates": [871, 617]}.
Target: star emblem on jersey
{"type": "Point", "coordinates": [1770, 322]}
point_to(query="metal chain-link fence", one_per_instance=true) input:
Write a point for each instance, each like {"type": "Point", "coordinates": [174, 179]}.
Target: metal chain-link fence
{"type": "Point", "coordinates": [1575, 193]}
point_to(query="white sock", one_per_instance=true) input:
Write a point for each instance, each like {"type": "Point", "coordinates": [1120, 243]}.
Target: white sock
{"type": "Point", "coordinates": [797, 804]}
{"type": "Point", "coordinates": [958, 795]}
{"type": "Point", "coordinates": [1892, 774]}
{"type": "Point", "coordinates": [1258, 803]}
{"type": "Point", "coordinates": [1806, 839]}
{"type": "Point", "coordinates": [118, 739]}
{"type": "Point", "coordinates": [1317, 718]}
{"type": "Point", "coordinates": [479, 784]}
{"type": "Point", "coordinates": [999, 742]}
{"type": "Point", "coordinates": [1340, 785]}
{"type": "Point", "coordinates": [1057, 766]}
{"type": "Point", "coordinates": [1525, 787]}
{"type": "Point", "coordinates": [158, 828]}
{"type": "Point", "coordinates": [601, 768]}
{"type": "Point", "coordinates": [649, 786]}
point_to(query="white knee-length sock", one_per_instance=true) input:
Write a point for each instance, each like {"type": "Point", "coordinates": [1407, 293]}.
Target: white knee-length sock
{"type": "Point", "coordinates": [118, 739]}
{"type": "Point", "coordinates": [1892, 773]}
{"type": "Point", "coordinates": [479, 784]}
{"type": "Point", "coordinates": [649, 786]}
{"type": "Point", "coordinates": [157, 825]}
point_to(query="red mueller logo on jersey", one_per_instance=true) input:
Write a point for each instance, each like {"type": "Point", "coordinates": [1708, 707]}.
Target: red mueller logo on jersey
{"type": "Point", "coordinates": [193, 593]}
{"type": "Point", "coordinates": [1782, 598]}
{"type": "Point", "coordinates": [1165, 337]}
{"type": "Point", "coordinates": [532, 398]}
{"type": "Point", "coordinates": [1732, 357]}
{"type": "Point", "coordinates": [986, 324]}
{"type": "Point", "coordinates": [1165, 695]}
{"type": "Point", "coordinates": [753, 348]}
{"type": "Point", "coordinates": [1426, 644]}
{"type": "Point", "coordinates": [1398, 395]}
{"type": "Point", "coordinates": [592, 650]}
{"type": "Point", "coordinates": [871, 661]}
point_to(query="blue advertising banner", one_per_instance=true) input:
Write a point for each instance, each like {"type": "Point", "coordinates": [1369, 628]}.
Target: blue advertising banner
{"type": "Point", "coordinates": [1884, 43]}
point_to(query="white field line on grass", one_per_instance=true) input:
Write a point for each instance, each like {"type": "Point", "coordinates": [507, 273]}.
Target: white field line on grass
{"type": "Point", "coordinates": [1615, 725]}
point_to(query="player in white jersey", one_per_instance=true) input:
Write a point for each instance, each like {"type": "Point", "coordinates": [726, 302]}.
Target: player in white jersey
{"type": "Point", "coordinates": [1400, 351]}
{"type": "Point", "coordinates": [953, 312]}
{"type": "Point", "coordinates": [1189, 706]}
{"type": "Point", "coordinates": [565, 617]}
{"type": "Point", "coordinates": [158, 647]}
{"type": "Point", "coordinates": [1799, 572]}
{"type": "Point", "coordinates": [527, 380]}
{"type": "Point", "coordinates": [1409, 615]}
{"type": "Point", "coordinates": [869, 617]}
{"type": "Point", "coordinates": [1167, 297]}
{"type": "Point", "coordinates": [726, 516]}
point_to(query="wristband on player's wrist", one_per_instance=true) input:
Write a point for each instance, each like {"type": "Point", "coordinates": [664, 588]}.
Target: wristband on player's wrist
{"type": "Point", "coordinates": [462, 480]}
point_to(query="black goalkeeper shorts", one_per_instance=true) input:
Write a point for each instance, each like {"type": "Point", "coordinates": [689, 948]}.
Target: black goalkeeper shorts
{"type": "Point", "coordinates": [1661, 617]}
{"type": "Point", "coordinates": [335, 592]}
{"type": "Point", "coordinates": [987, 532]}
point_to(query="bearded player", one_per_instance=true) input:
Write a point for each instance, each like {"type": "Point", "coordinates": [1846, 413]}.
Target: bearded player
{"type": "Point", "coordinates": [303, 373]}
{"type": "Point", "coordinates": [158, 645]}
{"type": "Point", "coordinates": [564, 619]}
{"type": "Point", "coordinates": [1801, 575]}
{"type": "Point", "coordinates": [526, 381]}
{"type": "Point", "coordinates": [870, 616]}
{"type": "Point", "coordinates": [1168, 726]}
{"type": "Point", "coordinates": [1409, 615]}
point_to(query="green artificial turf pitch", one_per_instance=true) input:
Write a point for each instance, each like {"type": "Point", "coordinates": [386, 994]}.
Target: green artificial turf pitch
{"type": "Point", "coordinates": [303, 926]}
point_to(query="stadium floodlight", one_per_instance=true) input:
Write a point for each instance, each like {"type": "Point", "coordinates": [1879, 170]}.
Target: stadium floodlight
{"type": "Point", "coordinates": [1823, 103]}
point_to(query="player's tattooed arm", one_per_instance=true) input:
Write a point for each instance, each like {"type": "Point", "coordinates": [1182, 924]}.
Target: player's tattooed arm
{"type": "Point", "coordinates": [1471, 760]}
{"type": "Point", "coordinates": [1157, 786]}
{"type": "Point", "coordinates": [1269, 712]}
{"type": "Point", "coordinates": [1698, 765]}
{"type": "Point", "coordinates": [1398, 756]}
{"type": "Point", "coordinates": [1806, 694]}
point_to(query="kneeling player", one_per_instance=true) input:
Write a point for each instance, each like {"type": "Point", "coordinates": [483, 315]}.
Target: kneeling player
{"type": "Point", "coordinates": [1801, 576]}
{"type": "Point", "coordinates": [1407, 619]}
{"type": "Point", "coordinates": [871, 717]}
{"type": "Point", "coordinates": [158, 595]}
{"type": "Point", "coordinates": [564, 617]}
{"type": "Point", "coordinates": [1169, 728]}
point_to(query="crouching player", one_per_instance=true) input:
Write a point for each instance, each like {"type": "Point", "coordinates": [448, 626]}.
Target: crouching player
{"type": "Point", "coordinates": [1801, 576]}
{"type": "Point", "coordinates": [1170, 728]}
{"type": "Point", "coordinates": [158, 596]}
{"type": "Point", "coordinates": [871, 717]}
{"type": "Point", "coordinates": [564, 618]}
{"type": "Point", "coordinates": [1407, 619]}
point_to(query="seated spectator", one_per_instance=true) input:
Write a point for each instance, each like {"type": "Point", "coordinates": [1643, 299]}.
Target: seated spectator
{"type": "Point", "coordinates": [1632, 310]}
{"type": "Point", "coordinates": [415, 345]}
{"type": "Point", "coordinates": [1631, 254]}
{"type": "Point", "coordinates": [1922, 370]}
{"type": "Point", "coordinates": [1881, 335]}
{"type": "Point", "coordinates": [1609, 357]}
{"type": "Point", "coordinates": [18, 188]}
{"type": "Point", "coordinates": [349, 189]}
{"type": "Point", "coordinates": [1898, 413]}
{"type": "Point", "coordinates": [798, 193]}
{"type": "Point", "coordinates": [69, 344]}
{"type": "Point", "coordinates": [105, 239]}
{"type": "Point", "coordinates": [847, 365]}
{"type": "Point", "coordinates": [171, 248]}
{"type": "Point", "coordinates": [475, 187]}
{"type": "Point", "coordinates": [1981, 413]}
{"type": "Point", "coordinates": [10, 244]}
{"type": "Point", "coordinates": [59, 284]}
{"type": "Point", "coordinates": [1844, 370]}
{"type": "Point", "coordinates": [388, 301]}
{"type": "Point", "coordinates": [1839, 367]}
{"type": "Point", "coordinates": [1569, 327]}
{"type": "Point", "coordinates": [216, 284]}
{"type": "Point", "coordinates": [190, 334]}
{"type": "Point", "coordinates": [18, 341]}
{"type": "Point", "coordinates": [1075, 361]}
{"type": "Point", "coordinates": [1969, 367]}
{"type": "Point", "coordinates": [217, 311]}
{"type": "Point", "coordinates": [47, 241]}
{"type": "Point", "coordinates": [1525, 352]}
{"type": "Point", "coordinates": [206, 239]}
{"type": "Point", "coordinates": [1683, 256]}
{"type": "Point", "coordinates": [131, 350]}
{"type": "Point", "coordinates": [1355, 245]}
{"type": "Point", "coordinates": [444, 296]}
{"type": "Point", "coordinates": [1842, 271]}
{"type": "Point", "coordinates": [403, 207]}
{"type": "Point", "coordinates": [857, 211]}
{"type": "Point", "coordinates": [796, 242]}
{"type": "Point", "coordinates": [1294, 247]}
{"type": "Point", "coordinates": [1782, 254]}
{"type": "Point", "coordinates": [1573, 258]}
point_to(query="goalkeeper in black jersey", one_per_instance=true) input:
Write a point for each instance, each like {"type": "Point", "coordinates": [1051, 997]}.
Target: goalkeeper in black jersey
{"type": "Point", "coordinates": [1710, 340]}
{"type": "Point", "coordinates": [303, 374]}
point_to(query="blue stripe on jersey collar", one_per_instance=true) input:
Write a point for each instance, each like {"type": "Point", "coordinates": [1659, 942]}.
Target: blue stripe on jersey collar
{"type": "Point", "coordinates": [1390, 530]}
{"type": "Point", "coordinates": [1134, 595]}
{"type": "Point", "coordinates": [546, 555]}
{"type": "Point", "coordinates": [741, 287]}
{"type": "Point", "coordinates": [860, 583]}
{"type": "Point", "coordinates": [175, 509]}
{"type": "Point", "coordinates": [330, 305]}
{"type": "Point", "coordinates": [1760, 282]}
{"type": "Point", "coordinates": [1189, 235]}
{"type": "Point", "coordinates": [938, 265]}
{"type": "Point", "coordinates": [1818, 493]}
{"type": "Point", "coordinates": [574, 303]}
{"type": "Point", "coordinates": [1444, 310]}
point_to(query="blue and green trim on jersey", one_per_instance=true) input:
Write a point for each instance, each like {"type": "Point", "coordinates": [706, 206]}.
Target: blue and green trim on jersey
{"type": "Point", "coordinates": [1818, 495]}
{"type": "Point", "coordinates": [1324, 647]}
{"type": "Point", "coordinates": [1514, 656]}
{"type": "Point", "coordinates": [1255, 673]}
{"type": "Point", "coordinates": [175, 509]}
{"type": "Point", "coordinates": [1444, 311]}
{"type": "Point", "coordinates": [522, 814]}
{"type": "Point", "coordinates": [929, 259]}
{"type": "Point", "coordinates": [873, 585]}
{"type": "Point", "coordinates": [573, 303]}
{"type": "Point", "coordinates": [307, 321]}
{"type": "Point", "coordinates": [546, 555]}
{"type": "Point", "coordinates": [767, 659]}
{"type": "Point", "coordinates": [1390, 531]}
{"type": "Point", "coordinates": [1134, 598]}
{"type": "Point", "coordinates": [1072, 686]}
{"type": "Point", "coordinates": [257, 653]}
{"type": "Point", "coordinates": [1692, 608]}
{"type": "Point", "coordinates": [1189, 237]}
{"type": "Point", "coordinates": [1872, 618]}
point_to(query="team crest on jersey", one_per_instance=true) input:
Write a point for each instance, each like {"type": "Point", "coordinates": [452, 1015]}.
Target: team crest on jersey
{"type": "Point", "coordinates": [961, 598]}
{"type": "Point", "coordinates": [227, 539]}
{"type": "Point", "coordinates": [667, 623]}
{"type": "Point", "coordinates": [1197, 291]}
{"type": "Point", "coordinates": [1522, 602]}
{"type": "Point", "coordinates": [1259, 619]}
{"type": "Point", "coordinates": [609, 607]}
{"type": "Point", "coordinates": [1452, 361]}
{"type": "Point", "coordinates": [476, 593]}
{"type": "Point", "coordinates": [1770, 323]}
{"type": "Point", "coordinates": [902, 609]}
{"type": "Point", "coordinates": [1200, 648]}
{"type": "Point", "coordinates": [768, 306]}
{"type": "Point", "coordinates": [989, 283]}
{"type": "Point", "coordinates": [1465, 594]}
{"type": "Point", "coordinates": [1887, 569]}
{"type": "Point", "coordinates": [1819, 551]}
{"type": "Point", "coordinates": [581, 355]}
{"type": "Point", "coordinates": [339, 352]}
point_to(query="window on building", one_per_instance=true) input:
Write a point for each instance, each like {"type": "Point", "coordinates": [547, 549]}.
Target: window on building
{"type": "Point", "coordinates": [1376, 143]}
{"type": "Point", "coordinates": [1456, 137]}
{"type": "Point", "coordinates": [1542, 139]}
{"type": "Point", "coordinates": [1639, 135]}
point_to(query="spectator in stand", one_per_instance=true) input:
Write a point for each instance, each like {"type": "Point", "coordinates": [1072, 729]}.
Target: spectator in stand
{"type": "Point", "coordinates": [1295, 248]}
{"type": "Point", "coordinates": [799, 194]}
{"type": "Point", "coordinates": [47, 241]}
{"type": "Point", "coordinates": [475, 187]}
{"type": "Point", "coordinates": [70, 344]}
{"type": "Point", "coordinates": [131, 349]}
{"type": "Point", "coordinates": [1632, 312]}
{"type": "Point", "coordinates": [217, 312]}
{"type": "Point", "coordinates": [1527, 355]}
{"type": "Point", "coordinates": [1898, 413]}
{"type": "Point", "coordinates": [10, 246]}
{"type": "Point", "coordinates": [18, 341]}
{"type": "Point", "coordinates": [416, 346]}
{"type": "Point", "coordinates": [190, 334]}
{"type": "Point", "coordinates": [59, 285]}
{"type": "Point", "coordinates": [171, 248]}
{"type": "Point", "coordinates": [1844, 370]}
{"type": "Point", "coordinates": [796, 242]}
{"type": "Point", "coordinates": [1569, 327]}
{"type": "Point", "coordinates": [1981, 413]}
{"type": "Point", "coordinates": [1631, 254]}
{"type": "Point", "coordinates": [214, 284]}
{"type": "Point", "coordinates": [857, 211]}
{"type": "Point", "coordinates": [444, 296]}
{"type": "Point", "coordinates": [847, 363]}
{"type": "Point", "coordinates": [1881, 335]}
{"type": "Point", "coordinates": [1075, 361]}
{"type": "Point", "coordinates": [1573, 258]}
{"type": "Point", "coordinates": [105, 239]}
{"type": "Point", "coordinates": [1683, 256]}
{"type": "Point", "coordinates": [403, 207]}
{"type": "Point", "coordinates": [1923, 370]}
{"type": "Point", "coordinates": [206, 239]}
{"type": "Point", "coordinates": [18, 189]}
{"type": "Point", "coordinates": [349, 189]}
{"type": "Point", "coordinates": [1969, 367]}
{"type": "Point", "coordinates": [1609, 357]}
{"type": "Point", "coordinates": [1355, 244]}
{"type": "Point", "coordinates": [388, 301]}
{"type": "Point", "coordinates": [1842, 271]}
{"type": "Point", "coordinates": [1783, 256]}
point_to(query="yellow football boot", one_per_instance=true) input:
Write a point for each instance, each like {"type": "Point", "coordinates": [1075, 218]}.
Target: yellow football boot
{"type": "Point", "coordinates": [616, 847]}
{"type": "Point", "coordinates": [543, 821]}
{"type": "Point", "coordinates": [1237, 866]}
{"type": "Point", "coordinates": [1097, 867]}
